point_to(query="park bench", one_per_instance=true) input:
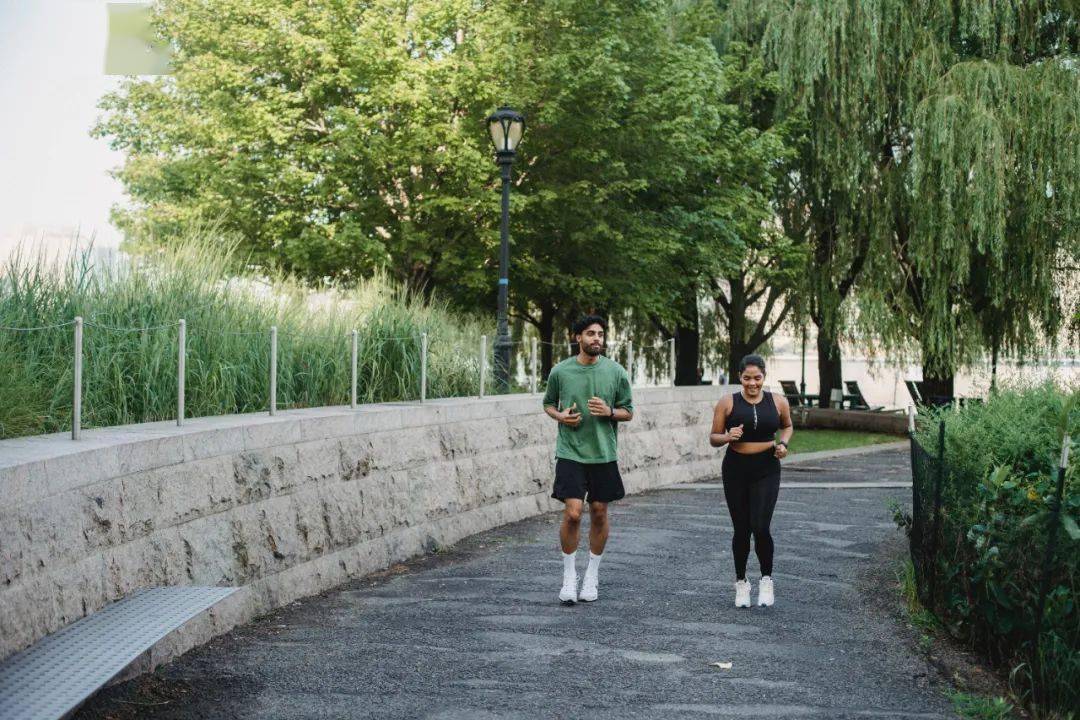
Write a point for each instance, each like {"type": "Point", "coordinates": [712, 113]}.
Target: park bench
{"type": "Point", "coordinates": [54, 676]}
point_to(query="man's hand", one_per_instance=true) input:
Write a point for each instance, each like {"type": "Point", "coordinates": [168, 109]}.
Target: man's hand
{"type": "Point", "coordinates": [570, 417]}
{"type": "Point", "coordinates": [735, 433]}
{"type": "Point", "coordinates": [598, 408]}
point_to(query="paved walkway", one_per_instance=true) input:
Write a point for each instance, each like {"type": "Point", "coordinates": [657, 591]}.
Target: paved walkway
{"type": "Point", "coordinates": [477, 632]}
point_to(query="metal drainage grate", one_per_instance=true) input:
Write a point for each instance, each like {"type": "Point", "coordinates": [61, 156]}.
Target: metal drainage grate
{"type": "Point", "coordinates": [55, 675]}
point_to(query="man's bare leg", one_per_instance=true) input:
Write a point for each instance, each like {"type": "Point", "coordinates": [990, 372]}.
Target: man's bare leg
{"type": "Point", "coordinates": [598, 535]}
{"type": "Point", "coordinates": [598, 527]}
{"type": "Point", "coordinates": [569, 532]}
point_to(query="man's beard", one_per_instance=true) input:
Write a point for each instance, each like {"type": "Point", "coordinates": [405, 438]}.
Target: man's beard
{"type": "Point", "coordinates": [593, 350]}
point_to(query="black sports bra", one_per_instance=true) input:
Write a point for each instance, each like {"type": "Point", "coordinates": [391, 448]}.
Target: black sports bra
{"type": "Point", "coordinates": [760, 421]}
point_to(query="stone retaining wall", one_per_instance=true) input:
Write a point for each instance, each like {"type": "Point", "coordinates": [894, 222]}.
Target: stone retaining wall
{"type": "Point", "coordinates": [288, 506]}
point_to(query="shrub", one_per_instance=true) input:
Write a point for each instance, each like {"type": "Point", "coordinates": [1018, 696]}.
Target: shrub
{"type": "Point", "coordinates": [1000, 478]}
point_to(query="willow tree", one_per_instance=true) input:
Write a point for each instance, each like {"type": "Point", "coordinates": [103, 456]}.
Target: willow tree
{"type": "Point", "coordinates": [939, 176]}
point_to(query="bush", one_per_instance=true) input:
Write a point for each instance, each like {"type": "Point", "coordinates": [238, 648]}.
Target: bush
{"type": "Point", "coordinates": [1000, 478]}
{"type": "Point", "coordinates": [130, 377]}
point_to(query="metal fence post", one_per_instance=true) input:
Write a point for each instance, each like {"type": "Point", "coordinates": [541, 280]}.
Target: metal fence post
{"type": "Point", "coordinates": [483, 362]}
{"type": "Point", "coordinates": [1048, 558]}
{"type": "Point", "coordinates": [533, 384]}
{"type": "Point", "coordinates": [671, 360]}
{"type": "Point", "coordinates": [936, 527]}
{"type": "Point", "coordinates": [423, 367]}
{"type": "Point", "coordinates": [181, 368]}
{"type": "Point", "coordinates": [630, 360]}
{"type": "Point", "coordinates": [352, 390]}
{"type": "Point", "coordinates": [273, 369]}
{"type": "Point", "coordinates": [918, 519]}
{"type": "Point", "coordinates": [76, 400]}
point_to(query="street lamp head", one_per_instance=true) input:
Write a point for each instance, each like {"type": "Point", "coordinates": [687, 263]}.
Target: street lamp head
{"type": "Point", "coordinates": [506, 127]}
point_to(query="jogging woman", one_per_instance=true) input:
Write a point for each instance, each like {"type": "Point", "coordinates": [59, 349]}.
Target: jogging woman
{"type": "Point", "coordinates": [747, 422]}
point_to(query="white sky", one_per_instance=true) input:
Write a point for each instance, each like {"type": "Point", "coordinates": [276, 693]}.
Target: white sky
{"type": "Point", "coordinates": [53, 175]}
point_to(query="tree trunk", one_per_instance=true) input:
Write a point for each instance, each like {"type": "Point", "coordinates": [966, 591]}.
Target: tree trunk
{"type": "Point", "coordinates": [736, 328]}
{"type": "Point", "coordinates": [687, 344]}
{"type": "Point", "coordinates": [546, 330]}
{"type": "Point", "coordinates": [994, 364]}
{"type": "Point", "coordinates": [830, 370]}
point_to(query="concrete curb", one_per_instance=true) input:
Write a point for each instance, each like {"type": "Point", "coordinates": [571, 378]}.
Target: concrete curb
{"type": "Point", "coordinates": [802, 485]}
{"type": "Point", "coordinates": [801, 458]}
{"type": "Point", "coordinates": [806, 458]}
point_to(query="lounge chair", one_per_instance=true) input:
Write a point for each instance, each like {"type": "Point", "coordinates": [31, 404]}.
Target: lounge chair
{"type": "Point", "coordinates": [913, 391]}
{"type": "Point", "coordinates": [796, 398]}
{"type": "Point", "coordinates": [855, 398]}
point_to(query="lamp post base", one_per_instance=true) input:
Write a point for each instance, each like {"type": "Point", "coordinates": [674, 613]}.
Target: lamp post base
{"type": "Point", "coordinates": [502, 364]}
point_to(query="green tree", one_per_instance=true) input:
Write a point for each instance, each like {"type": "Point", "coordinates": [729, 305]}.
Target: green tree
{"type": "Point", "coordinates": [939, 171]}
{"type": "Point", "coordinates": [755, 291]}
{"type": "Point", "coordinates": [625, 121]}
{"type": "Point", "coordinates": [331, 138]}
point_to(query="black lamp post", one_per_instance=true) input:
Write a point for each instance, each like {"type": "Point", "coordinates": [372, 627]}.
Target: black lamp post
{"type": "Point", "coordinates": [506, 128]}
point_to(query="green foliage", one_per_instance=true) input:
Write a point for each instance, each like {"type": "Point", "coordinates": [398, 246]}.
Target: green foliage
{"type": "Point", "coordinates": [919, 616]}
{"type": "Point", "coordinates": [804, 441]}
{"type": "Point", "coordinates": [939, 167]}
{"type": "Point", "coordinates": [131, 376]}
{"type": "Point", "coordinates": [332, 138]}
{"type": "Point", "coordinates": [975, 707]}
{"type": "Point", "coordinates": [1000, 477]}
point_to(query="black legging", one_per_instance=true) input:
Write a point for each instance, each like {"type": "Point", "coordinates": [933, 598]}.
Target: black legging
{"type": "Point", "coordinates": [751, 484]}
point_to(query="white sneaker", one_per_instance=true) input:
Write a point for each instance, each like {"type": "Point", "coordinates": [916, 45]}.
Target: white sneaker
{"type": "Point", "coordinates": [742, 593]}
{"type": "Point", "coordinates": [589, 591]}
{"type": "Point", "coordinates": [568, 594]}
{"type": "Point", "coordinates": [765, 592]}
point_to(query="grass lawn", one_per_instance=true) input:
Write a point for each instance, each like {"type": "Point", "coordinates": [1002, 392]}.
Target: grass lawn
{"type": "Point", "coordinates": [813, 440]}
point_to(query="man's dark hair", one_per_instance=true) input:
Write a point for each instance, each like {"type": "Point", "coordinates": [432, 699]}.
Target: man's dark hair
{"type": "Point", "coordinates": [755, 360]}
{"type": "Point", "coordinates": [586, 321]}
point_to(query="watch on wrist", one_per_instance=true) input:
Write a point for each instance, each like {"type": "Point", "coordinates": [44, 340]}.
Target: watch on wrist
{"type": "Point", "coordinates": [782, 442]}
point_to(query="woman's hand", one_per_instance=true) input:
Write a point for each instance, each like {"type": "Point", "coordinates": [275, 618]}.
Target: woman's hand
{"type": "Point", "coordinates": [735, 433]}
{"type": "Point", "coordinates": [780, 451]}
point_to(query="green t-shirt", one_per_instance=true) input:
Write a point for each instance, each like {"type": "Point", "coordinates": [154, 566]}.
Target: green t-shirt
{"type": "Point", "coordinates": [594, 439]}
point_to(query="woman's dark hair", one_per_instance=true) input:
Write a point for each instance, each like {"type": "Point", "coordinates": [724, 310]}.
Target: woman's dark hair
{"type": "Point", "coordinates": [755, 360]}
{"type": "Point", "coordinates": [587, 320]}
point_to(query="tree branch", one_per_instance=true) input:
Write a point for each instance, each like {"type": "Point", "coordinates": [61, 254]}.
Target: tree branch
{"type": "Point", "coordinates": [779, 321]}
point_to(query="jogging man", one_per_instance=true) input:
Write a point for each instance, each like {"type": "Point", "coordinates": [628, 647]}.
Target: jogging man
{"type": "Point", "coordinates": [589, 395]}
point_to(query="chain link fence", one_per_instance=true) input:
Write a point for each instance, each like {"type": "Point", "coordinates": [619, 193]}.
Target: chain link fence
{"type": "Point", "coordinates": [1003, 583]}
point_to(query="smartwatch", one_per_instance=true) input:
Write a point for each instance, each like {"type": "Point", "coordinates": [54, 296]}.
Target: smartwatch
{"type": "Point", "coordinates": [781, 442]}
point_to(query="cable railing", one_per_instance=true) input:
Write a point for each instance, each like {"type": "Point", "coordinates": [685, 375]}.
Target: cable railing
{"type": "Point", "coordinates": [485, 366]}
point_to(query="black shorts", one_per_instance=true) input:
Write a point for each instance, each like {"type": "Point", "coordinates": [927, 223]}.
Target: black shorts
{"type": "Point", "coordinates": [599, 482]}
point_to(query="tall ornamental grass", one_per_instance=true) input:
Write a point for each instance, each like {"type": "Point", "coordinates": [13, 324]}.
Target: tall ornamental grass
{"type": "Point", "coordinates": [1000, 475]}
{"type": "Point", "coordinates": [130, 374]}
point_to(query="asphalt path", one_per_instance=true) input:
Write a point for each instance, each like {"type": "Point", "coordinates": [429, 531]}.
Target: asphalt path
{"type": "Point", "coordinates": [477, 632]}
